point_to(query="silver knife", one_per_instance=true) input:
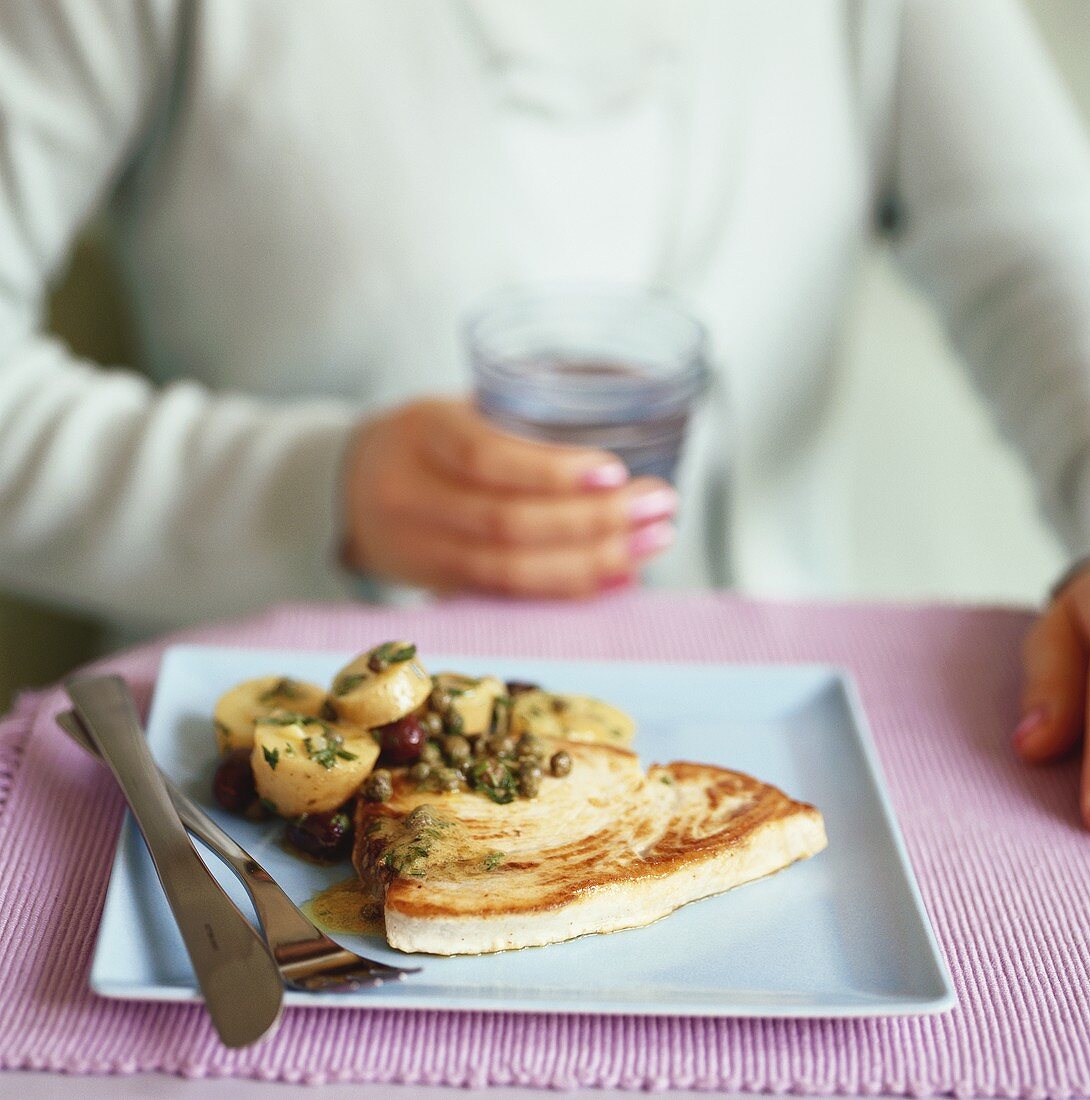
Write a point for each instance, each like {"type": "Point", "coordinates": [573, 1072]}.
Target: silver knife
{"type": "Point", "coordinates": [237, 975]}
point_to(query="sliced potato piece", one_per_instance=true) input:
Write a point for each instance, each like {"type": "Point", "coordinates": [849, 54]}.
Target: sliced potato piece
{"type": "Point", "coordinates": [238, 708]}
{"type": "Point", "coordinates": [303, 765]}
{"type": "Point", "coordinates": [571, 717]}
{"type": "Point", "coordinates": [532, 712]}
{"type": "Point", "coordinates": [380, 686]}
{"type": "Point", "coordinates": [471, 699]}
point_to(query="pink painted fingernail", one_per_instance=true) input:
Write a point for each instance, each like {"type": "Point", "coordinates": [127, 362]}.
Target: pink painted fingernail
{"type": "Point", "coordinates": [1026, 730]}
{"type": "Point", "coordinates": [618, 583]}
{"type": "Point", "coordinates": [654, 504]}
{"type": "Point", "coordinates": [610, 475]}
{"type": "Point", "coordinates": [651, 539]}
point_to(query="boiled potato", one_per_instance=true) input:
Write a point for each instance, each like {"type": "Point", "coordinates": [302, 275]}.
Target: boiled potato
{"type": "Point", "coordinates": [572, 717]}
{"type": "Point", "coordinates": [380, 686]}
{"type": "Point", "coordinates": [238, 708]}
{"type": "Point", "coordinates": [471, 699]}
{"type": "Point", "coordinates": [303, 765]}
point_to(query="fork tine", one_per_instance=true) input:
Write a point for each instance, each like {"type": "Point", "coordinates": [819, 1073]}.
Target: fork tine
{"type": "Point", "coordinates": [333, 983]}
{"type": "Point", "coordinates": [342, 978]}
{"type": "Point", "coordinates": [340, 963]}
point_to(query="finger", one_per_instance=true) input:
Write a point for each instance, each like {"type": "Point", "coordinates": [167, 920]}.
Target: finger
{"type": "Point", "coordinates": [552, 572]}
{"type": "Point", "coordinates": [523, 519]}
{"type": "Point", "coordinates": [459, 442]}
{"type": "Point", "coordinates": [1054, 687]}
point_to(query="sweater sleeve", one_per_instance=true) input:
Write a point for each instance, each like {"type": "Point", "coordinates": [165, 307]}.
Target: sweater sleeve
{"type": "Point", "coordinates": [991, 178]}
{"type": "Point", "coordinates": [153, 506]}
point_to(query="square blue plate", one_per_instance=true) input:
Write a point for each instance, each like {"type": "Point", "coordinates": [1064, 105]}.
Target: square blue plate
{"type": "Point", "coordinates": [842, 934]}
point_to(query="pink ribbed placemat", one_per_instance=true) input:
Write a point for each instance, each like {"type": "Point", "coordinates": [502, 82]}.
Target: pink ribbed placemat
{"type": "Point", "coordinates": [1002, 862]}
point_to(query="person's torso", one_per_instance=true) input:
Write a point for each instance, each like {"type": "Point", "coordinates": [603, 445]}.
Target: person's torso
{"type": "Point", "coordinates": [335, 184]}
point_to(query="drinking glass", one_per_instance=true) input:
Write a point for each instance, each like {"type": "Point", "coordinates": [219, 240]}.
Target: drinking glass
{"type": "Point", "coordinates": [616, 368]}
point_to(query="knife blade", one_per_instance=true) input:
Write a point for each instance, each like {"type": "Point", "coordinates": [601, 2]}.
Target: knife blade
{"type": "Point", "coordinates": [238, 977]}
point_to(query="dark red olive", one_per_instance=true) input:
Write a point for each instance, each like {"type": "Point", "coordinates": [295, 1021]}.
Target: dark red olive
{"type": "Point", "coordinates": [233, 785]}
{"type": "Point", "coordinates": [520, 687]}
{"type": "Point", "coordinates": [325, 836]}
{"type": "Point", "coordinates": [402, 741]}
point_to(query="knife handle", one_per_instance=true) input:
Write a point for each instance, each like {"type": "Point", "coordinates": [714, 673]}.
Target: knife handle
{"type": "Point", "coordinates": [239, 979]}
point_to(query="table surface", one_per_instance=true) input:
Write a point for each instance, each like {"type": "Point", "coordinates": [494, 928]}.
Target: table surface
{"type": "Point", "coordinates": [45, 1086]}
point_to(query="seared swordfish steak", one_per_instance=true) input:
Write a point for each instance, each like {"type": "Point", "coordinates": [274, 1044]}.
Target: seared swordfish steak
{"type": "Point", "coordinates": [608, 847]}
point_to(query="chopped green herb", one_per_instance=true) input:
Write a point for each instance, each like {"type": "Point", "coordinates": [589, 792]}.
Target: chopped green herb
{"type": "Point", "coordinates": [500, 722]}
{"type": "Point", "coordinates": [326, 750]}
{"type": "Point", "coordinates": [393, 652]}
{"type": "Point", "coordinates": [272, 756]}
{"type": "Point", "coordinates": [282, 689]}
{"type": "Point", "coordinates": [667, 779]}
{"type": "Point", "coordinates": [407, 859]}
{"type": "Point", "coordinates": [291, 718]}
{"type": "Point", "coordinates": [326, 757]}
{"type": "Point", "coordinates": [495, 779]}
{"type": "Point", "coordinates": [493, 860]}
{"type": "Point", "coordinates": [348, 683]}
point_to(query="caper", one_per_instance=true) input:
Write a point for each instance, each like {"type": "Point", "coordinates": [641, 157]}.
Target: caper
{"type": "Point", "coordinates": [490, 772]}
{"type": "Point", "coordinates": [379, 786]}
{"type": "Point", "coordinates": [456, 749]}
{"type": "Point", "coordinates": [419, 771]}
{"type": "Point", "coordinates": [377, 664]}
{"type": "Point", "coordinates": [420, 818]}
{"type": "Point", "coordinates": [560, 764]}
{"type": "Point", "coordinates": [446, 779]}
{"type": "Point", "coordinates": [529, 779]}
{"type": "Point", "coordinates": [529, 745]}
{"type": "Point", "coordinates": [431, 753]}
{"type": "Point", "coordinates": [501, 745]}
{"type": "Point", "coordinates": [441, 700]}
{"type": "Point", "coordinates": [432, 723]}
{"type": "Point", "coordinates": [453, 722]}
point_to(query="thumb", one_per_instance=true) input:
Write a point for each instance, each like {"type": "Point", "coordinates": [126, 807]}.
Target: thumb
{"type": "Point", "coordinates": [1054, 662]}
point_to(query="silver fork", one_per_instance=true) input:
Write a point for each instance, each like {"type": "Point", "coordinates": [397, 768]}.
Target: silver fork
{"type": "Point", "coordinates": [308, 959]}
